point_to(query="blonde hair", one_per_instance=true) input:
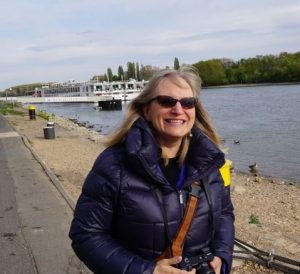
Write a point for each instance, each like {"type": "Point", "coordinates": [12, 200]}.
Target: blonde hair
{"type": "Point", "coordinates": [136, 106]}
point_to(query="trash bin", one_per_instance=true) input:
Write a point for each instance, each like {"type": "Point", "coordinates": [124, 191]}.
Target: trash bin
{"type": "Point", "coordinates": [50, 124]}
{"type": "Point", "coordinates": [225, 172]}
{"type": "Point", "coordinates": [49, 132]}
{"type": "Point", "coordinates": [31, 110]}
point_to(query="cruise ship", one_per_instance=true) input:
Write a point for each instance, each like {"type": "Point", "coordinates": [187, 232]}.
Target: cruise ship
{"type": "Point", "coordinates": [118, 90]}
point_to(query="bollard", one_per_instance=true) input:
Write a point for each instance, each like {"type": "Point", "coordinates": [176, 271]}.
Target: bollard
{"type": "Point", "coordinates": [50, 124]}
{"type": "Point", "coordinates": [49, 132]}
{"type": "Point", "coordinates": [31, 110]}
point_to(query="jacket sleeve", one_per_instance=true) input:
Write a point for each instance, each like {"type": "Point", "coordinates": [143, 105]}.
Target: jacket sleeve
{"type": "Point", "coordinates": [91, 228]}
{"type": "Point", "coordinates": [224, 231]}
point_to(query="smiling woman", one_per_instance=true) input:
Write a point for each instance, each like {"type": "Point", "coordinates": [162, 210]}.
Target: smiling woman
{"type": "Point", "coordinates": [133, 200]}
{"type": "Point", "coordinates": [171, 118]}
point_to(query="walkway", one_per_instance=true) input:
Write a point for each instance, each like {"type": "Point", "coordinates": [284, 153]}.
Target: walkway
{"type": "Point", "coordinates": [34, 216]}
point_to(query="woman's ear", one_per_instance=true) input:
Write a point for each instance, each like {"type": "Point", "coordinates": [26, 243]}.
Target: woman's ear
{"type": "Point", "coordinates": [146, 113]}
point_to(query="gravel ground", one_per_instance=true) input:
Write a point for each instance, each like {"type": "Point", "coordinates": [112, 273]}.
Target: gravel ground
{"type": "Point", "coordinates": [267, 211]}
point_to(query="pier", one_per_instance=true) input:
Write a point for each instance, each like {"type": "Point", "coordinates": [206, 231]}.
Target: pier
{"type": "Point", "coordinates": [57, 99]}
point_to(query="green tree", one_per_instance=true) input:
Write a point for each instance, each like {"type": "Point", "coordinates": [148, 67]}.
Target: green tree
{"type": "Point", "coordinates": [22, 90]}
{"type": "Point", "coordinates": [130, 70]}
{"type": "Point", "coordinates": [146, 72]}
{"type": "Point", "coordinates": [120, 73]}
{"type": "Point", "coordinates": [137, 67]}
{"type": "Point", "coordinates": [109, 75]}
{"type": "Point", "coordinates": [99, 78]}
{"type": "Point", "coordinates": [176, 63]}
{"type": "Point", "coordinates": [212, 72]}
{"type": "Point", "coordinates": [115, 78]}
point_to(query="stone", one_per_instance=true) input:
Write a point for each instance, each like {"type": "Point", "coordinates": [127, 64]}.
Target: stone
{"type": "Point", "coordinates": [239, 189]}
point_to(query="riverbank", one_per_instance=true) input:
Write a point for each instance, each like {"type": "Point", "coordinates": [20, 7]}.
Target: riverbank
{"type": "Point", "coordinates": [267, 211]}
{"type": "Point", "coordinates": [251, 85]}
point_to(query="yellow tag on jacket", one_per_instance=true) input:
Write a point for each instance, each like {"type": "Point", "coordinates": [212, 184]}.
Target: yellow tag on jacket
{"type": "Point", "coordinates": [225, 172]}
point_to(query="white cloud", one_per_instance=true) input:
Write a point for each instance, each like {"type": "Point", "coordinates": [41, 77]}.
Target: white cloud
{"type": "Point", "coordinates": [63, 39]}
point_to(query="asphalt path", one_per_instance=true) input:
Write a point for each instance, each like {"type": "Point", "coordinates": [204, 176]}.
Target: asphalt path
{"type": "Point", "coordinates": [34, 215]}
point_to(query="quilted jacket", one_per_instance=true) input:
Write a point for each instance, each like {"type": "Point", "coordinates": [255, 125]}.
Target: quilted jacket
{"type": "Point", "coordinates": [118, 225]}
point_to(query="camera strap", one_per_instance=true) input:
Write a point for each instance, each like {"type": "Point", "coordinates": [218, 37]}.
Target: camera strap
{"type": "Point", "coordinates": [176, 246]}
{"type": "Point", "coordinates": [192, 204]}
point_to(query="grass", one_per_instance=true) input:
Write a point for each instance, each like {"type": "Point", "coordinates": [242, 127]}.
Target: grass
{"type": "Point", "coordinates": [45, 115]}
{"type": "Point", "coordinates": [7, 108]}
{"type": "Point", "coordinates": [29, 141]}
{"type": "Point", "coordinates": [253, 219]}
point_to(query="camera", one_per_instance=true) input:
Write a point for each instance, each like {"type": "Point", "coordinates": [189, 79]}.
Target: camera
{"type": "Point", "coordinates": [199, 262]}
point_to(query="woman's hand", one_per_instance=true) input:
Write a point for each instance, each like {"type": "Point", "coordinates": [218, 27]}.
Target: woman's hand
{"type": "Point", "coordinates": [166, 266]}
{"type": "Point", "coordinates": [216, 264]}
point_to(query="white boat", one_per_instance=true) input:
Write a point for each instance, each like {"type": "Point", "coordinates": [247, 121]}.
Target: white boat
{"type": "Point", "coordinates": [118, 90]}
{"type": "Point", "coordinates": [122, 90]}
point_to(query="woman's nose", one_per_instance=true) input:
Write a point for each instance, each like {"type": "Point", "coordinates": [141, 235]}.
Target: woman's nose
{"type": "Point", "coordinates": [177, 108]}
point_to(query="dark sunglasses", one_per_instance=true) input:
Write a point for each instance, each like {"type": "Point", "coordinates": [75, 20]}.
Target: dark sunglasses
{"type": "Point", "coordinates": [169, 102]}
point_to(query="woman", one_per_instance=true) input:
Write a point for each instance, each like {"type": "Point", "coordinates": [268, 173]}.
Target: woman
{"type": "Point", "coordinates": [166, 142]}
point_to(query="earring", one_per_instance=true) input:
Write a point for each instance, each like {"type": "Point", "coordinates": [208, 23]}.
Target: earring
{"type": "Point", "coordinates": [190, 135]}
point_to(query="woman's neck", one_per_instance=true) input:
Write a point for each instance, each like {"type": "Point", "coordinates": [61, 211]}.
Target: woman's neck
{"type": "Point", "coordinates": [170, 149]}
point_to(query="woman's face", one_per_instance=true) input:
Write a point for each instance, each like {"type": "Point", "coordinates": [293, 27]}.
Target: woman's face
{"type": "Point", "coordinates": [171, 123]}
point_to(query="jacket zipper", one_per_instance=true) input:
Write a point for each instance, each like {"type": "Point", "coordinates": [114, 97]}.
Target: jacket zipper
{"type": "Point", "coordinates": [180, 194]}
{"type": "Point", "coordinates": [181, 202]}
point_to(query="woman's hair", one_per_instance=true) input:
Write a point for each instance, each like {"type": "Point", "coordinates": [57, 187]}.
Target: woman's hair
{"type": "Point", "coordinates": [136, 106]}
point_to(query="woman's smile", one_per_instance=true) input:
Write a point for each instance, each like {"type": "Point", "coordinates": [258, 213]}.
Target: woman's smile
{"type": "Point", "coordinates": [171, 111]}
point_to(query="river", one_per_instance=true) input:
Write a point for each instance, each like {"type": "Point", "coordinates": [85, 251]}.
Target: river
{"type": "Point", "coordinates": [265, 120]}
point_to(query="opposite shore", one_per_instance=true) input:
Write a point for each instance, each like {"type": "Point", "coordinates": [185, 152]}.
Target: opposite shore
{"type": "Point", "coordinates": [252, 85]}
{"type": "Point", "coordinates": [267, 211]}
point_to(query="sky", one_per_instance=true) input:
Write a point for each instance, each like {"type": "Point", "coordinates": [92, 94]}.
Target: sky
{"type": "Point", "coordinates": [62, 40]}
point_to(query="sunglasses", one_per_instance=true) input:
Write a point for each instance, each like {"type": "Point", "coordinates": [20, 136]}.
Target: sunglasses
{"type": "Point", "coordinates": [169, 102]}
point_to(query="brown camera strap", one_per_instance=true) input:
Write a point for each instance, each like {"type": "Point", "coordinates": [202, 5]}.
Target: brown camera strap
{"type": "Point", "coordinates": [178, 242]}
{"type": "Point", "coordinates": [175, 249]}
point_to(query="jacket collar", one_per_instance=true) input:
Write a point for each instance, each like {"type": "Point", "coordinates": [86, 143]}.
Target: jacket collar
{"type": "Point", "coordinates": [142, 149]}
{"type": "Point", "coordinates": [203, 156]}
{"type": "Point", "coordinates": [143, 152]}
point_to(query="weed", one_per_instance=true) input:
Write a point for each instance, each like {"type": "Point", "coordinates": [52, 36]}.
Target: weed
{"type": "Point", "coordinates": [43, 114]}
{"type": "Point", "coordinates": [253, 219]}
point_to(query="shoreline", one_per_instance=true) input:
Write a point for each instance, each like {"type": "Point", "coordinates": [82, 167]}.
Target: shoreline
{"type": "Point", "coordinates": [89, 127]}
{"type": "Point", "coordinates": [64, 121]}
{"type": "Point", "coordinates": [275, 180]}
{"type": "Point", "coordinates": [275, 204]}
{"type": "Point", "coordinates": [251, 85]}
{"type": "Point", "coordinates": [284, 173]}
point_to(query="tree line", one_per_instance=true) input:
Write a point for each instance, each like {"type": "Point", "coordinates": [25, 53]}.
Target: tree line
{"type": "Point", "coordinates": [134, 71]}
{"type": "Point", "coordinates": [281, 68]}
{"type": "Point", "coordinates": [20, 90]}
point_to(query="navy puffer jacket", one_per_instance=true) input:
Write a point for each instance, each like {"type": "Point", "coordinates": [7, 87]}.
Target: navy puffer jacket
{"type": "Point", "coordinates": [118, 225]}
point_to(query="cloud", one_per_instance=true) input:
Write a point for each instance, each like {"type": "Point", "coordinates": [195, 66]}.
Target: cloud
{"type": "Point", "coordinates": [64, 39]}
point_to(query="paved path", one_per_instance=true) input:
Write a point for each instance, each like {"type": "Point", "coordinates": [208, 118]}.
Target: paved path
{"type": "Point", "coordinates": [34, 216]}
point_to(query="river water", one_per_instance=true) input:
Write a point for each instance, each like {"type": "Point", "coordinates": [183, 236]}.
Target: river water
{"type": "Point", "coordinates": [264, 119]}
